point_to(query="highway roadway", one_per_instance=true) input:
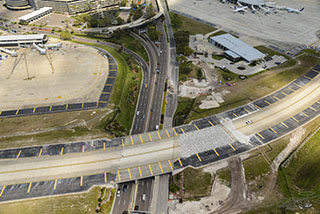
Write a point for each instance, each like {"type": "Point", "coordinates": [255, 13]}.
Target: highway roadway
{"type": "Point", "coordinates": [122, 203]}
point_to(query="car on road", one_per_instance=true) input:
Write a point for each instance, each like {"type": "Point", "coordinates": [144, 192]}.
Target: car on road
{"type": "Point", "coordinates": [143, 197]}
{"type": "Point", "coordinates": [118, 192]}
{"type": "Point", "coordinates": [125, 187]}
{"type": "Point", "coordinates": [138, 112]}
{"type": "Point", "coordinates": [157, 127]}
{"type": "Point", "coordinates": [136, 207]}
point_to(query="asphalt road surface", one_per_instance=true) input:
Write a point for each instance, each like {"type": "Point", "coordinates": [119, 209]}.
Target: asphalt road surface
{"type": "Point", "coordinates": [122, 203]}
{"type": "Point", "coordinates": [144, 188]}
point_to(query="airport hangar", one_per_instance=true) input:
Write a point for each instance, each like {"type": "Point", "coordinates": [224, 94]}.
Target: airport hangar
{"type": "Point", "coordinates": [236, 49]}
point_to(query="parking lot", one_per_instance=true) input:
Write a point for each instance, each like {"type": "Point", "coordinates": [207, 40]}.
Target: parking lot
{"type": "Point", "coordinates": [282, 29]}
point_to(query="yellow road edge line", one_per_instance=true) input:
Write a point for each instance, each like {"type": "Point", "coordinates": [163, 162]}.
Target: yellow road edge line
{"type": "Point", "coordinates": [61, 153]}
{"type": "Point", "coordinates": [104, 146]}
{"type": "Point", "coordinates": [141, 138]}
{"type": "Point", "coordinates": [285, 125]}
{"type": "Point", "coordinates": [266, 101]}
{"type": "Point", "coordinates": [2, 190]}
{"type": "Point", "coordinates": [29, 188]}
{"type": "Point", "coordinates": [315, 70]}
{"type": "Point", "coordinates": [284, 93]}
{"type": "Point", "coordinates": [170, 165]}
{"type": "Point", "coordinates": [276, 98]}
{"type": "Point", "coordinates": [180, 162]}
{"type": "Point", "coordinates": [105, 177]}
{"type": "Point", "coordinates": [198, 157]}
{"type": "Point", "coordinates": [131, 140]}
{"type": "Point", "coordinates": [159, 135]}
{"type": "Point", "coordinates": [150, 137]}
{"type": "Point", "coordinates": [19, 154]}
{"type": "Point", "coordinates": [81, 180]}
{"type": "Point", "coordinates": [119, 176]}
{"type": "Point", "coordinates": [296, 85]}
{"type": "Point", "coordinates": [273, 130]}
{"type": "Point", "coordinates": [40, 153]}
{"type": "Point", "coordinates": [216, 152]}
{"type": "Point", "coordinates": [150, 169]}
{"type": "Point", "coordinates": [235, 114]}
{"type": "Point", "coordinates": [305, 114]}
{"type": "Point", "coordinates": [182, 130]}
{"type": "Point", "coordinates": [55, 184]}
{"type": "Point", "coordinates": [174, 131]}
{"type": "Point", "coordinates": [210, 123]}
{"type": "Point", "coordinates": [82, 148]}
{"type": "Point", "coordinates": [122, 142]}
{"type": "Point", "coordinates": [140, 171]}
{"type": "Point", "coordinates": [82, 105]}
{"type": "Point", "coordinates": [167, 133]}
{"type": "Point", "coordinates": [232, 147]}
{"type": "Point", "coordinates": [295, 119]}
{"type": "Point", "coordinates": [160, 167]}
{"type": "Point", "coordinates": [196, 126]}
{"type": "Point", "coordinates": [129, 174]}
{"type": "Point", "coordinates": [260, 135]}
{"type": "Point", "coordinates": [67, 106]}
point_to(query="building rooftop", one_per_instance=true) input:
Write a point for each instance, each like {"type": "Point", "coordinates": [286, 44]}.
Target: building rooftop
{"type": "Point", "coordinates": [238, 47]}
{"type": "Point", "coordinates": [252, 2]}
{"type": "Point", "coordinates": [34, 13]}
{"type": "Point", "coordinates": [22, 37]}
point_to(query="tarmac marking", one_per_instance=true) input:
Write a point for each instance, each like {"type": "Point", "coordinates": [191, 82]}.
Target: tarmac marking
{"type": "Point", "coordinates": [129, 174]}
{"type": "Point", "coordinates": [141, 138]}
{"type": "Point", "coordinates": [81, 181]}
{"type": "Point", "coordinates": [19, 154]}
{"type": "Point", "coordinates": [34, 109]}
{"type": "Point", "coordinates": [55, 184]}
{"type": "Point", "coordinates": [260, 135]}
{"type": "Point", "coordinates": [167, 133]}
{"type": "Point", "coordinates": [313, 108]}
{"type": "Point", "coordinates": [0, 113]}
{"type": "Point", "coordinates": [174, 131]}
{"type": "Point", "coordinates": [108, 84]}
{"type": "Point", "coordinates": [284, 125]}
{"type": "Point", "coordinates": [40, 153]}
{"type": "Point", "coordinates": [105, 93]}
{"type": "Point", "coordinates": [17, 112]}
{"type": "Point", "coordinates": [305, 114]}
{"type": "Point", "coordinates": [246, 110]}
{"type": "Point", "coordinates": [82, 148]}
{"type": "Point", "coordinates": [150, 137]}
{"type": "Point", "coordinates": [159, 135]}
{"type": "Point", "coordinates": [104, 146]}
{"type": "Point", "coordinates": [61, 153]}
{"type": "Point", "coordinates": [309, 78]}
{"type": "Point", "coordinates": [160, 167]}
{"type": "Point", "coordinates": [291, 89]}
{"type": "Point", "coordinates": [50, 108]}
{"type": "Point", "coordinates": [258, 107]}
{"type": "Point", "coordinates": [273, 130]}
{"type": "Point", "coordinates": [198, 157]}
{"type": "Point", "coordinates": [170, 165]}
{"type": "Point", "coordinates": [122, 142]}
{"type": "Point", "coordinates": [210, 123]}
{"type": "Point", "coordinates": [180, 162]}
{"type": "Point", "coordinates": [82, 105]}
{"type": "Point", "coordinates": [150, 169]}
{"type": "Point", "coordinates": [216, 152]}
{"type": "Point", "coordinates": [276, 98]}
{"type": "Point", "coordinates": [182, 130]}
{"type": "Point", "coordinates": [284, 93]}
{"type": "Point", "coordinates": [67, 105]}
{"type": "Point", "coordinates": [2, 190]}
{"type": "Point", "coordinates": [119, 176]}
{"type": "Point", "coordinates": [232, 147]}
{"type": "Point", "coordinates": [235, 114]}
{"type": "Point", "coordinates": [266, 101]}
{"type": "Point", "coordinates": [223, 119]}
{"type": "Point", "coordinates": [315, 71]}
{"type": "Point", "coordinates": [105, 177]}
{"type": "Point", "coordinates": [29, 188]}
{"type": "Point", "coordinates": [296, 84]}
{"type": "Point", "coordinates": [140, 171]}
{"type": "Point", "coordinates": [97, 103]}
{"type": "Point", "coordinates": [196, 126]}
{"type": "Point", "coordinates": [131, 140]}
{"type": "Point", "coordinates": [295, 119]}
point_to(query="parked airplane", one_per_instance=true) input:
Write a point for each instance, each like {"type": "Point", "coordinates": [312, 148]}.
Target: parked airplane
{"type": "Point", "coordinates": [292, 10]}
{"type": "Point", "coordinates": [240, 9]}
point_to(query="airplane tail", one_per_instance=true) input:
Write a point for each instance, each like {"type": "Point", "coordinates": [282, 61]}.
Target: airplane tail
{"type": "Point", "coordinates": [302, 9]}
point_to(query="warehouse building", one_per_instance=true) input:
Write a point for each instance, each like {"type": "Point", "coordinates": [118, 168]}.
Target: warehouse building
{"type": "Point", "coordinates": [236, 49]}
{"type": "Point", "coordinates": [30, 17]}
{"type": "Point", "coordinates": [21, 40]}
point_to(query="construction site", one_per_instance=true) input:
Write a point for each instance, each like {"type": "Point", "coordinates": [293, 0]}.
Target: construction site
{"type": "Point", "coordinates": [55, 73]}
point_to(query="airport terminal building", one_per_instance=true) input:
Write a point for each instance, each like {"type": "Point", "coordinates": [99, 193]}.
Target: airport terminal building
{"type": "Point", "coordinates": [19, 40]}
{"type": "Point", "coordinates": [236, 49]}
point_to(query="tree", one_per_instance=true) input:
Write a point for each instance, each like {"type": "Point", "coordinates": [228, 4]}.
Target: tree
{"type": "Point", "coordinates": [149, 12]}
{"type": "Point", "coordinates": [65, 35]}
